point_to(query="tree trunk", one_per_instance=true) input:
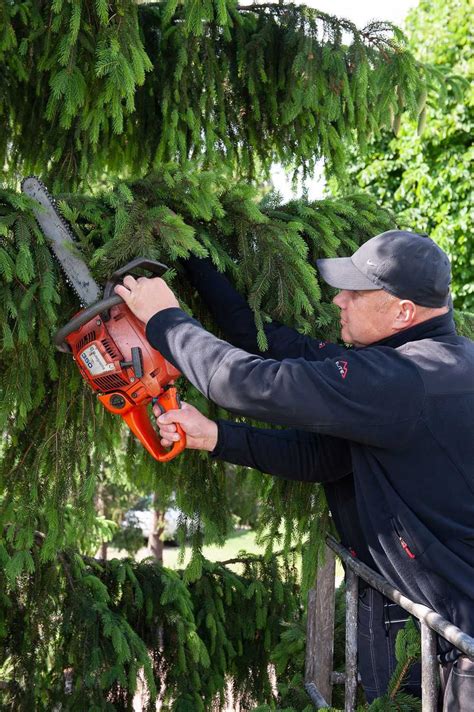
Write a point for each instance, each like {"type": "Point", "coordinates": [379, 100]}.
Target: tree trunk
{"type": "Point", "coordinates": [320, 629]}
{"type": "Point", "coordinates": [155, 540]}
{"type": "Point", "coordinates": [101, 509]}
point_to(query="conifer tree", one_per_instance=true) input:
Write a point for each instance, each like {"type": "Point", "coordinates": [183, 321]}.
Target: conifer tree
{"type": "Point", "coordinates": [118, 88]}
{"type": "Point", "coordinates": [154, 125]}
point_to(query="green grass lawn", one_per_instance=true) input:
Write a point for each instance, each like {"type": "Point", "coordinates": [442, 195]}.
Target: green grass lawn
{"type": "Point", "coordinates": [242, 540]}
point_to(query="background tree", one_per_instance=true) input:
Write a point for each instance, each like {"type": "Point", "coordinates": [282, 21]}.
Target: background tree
{"type": "Point", "coordinates": [427, 180]}
{"type": "Point", "coordinates": [149, 122]}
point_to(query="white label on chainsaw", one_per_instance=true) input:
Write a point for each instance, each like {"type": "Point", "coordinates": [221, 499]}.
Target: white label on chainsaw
{"type": "Point", "coordinates": [95, 362]}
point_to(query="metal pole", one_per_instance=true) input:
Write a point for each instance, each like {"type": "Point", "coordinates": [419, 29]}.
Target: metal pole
{"type": "Point", "coordinates": [429, 670]}
{"type": "Point", "coordinates": [436, 622]}
{"type": "Point", "coordinates": [316, 697]}
{"type": "Point", "coordinates": [352, 590]}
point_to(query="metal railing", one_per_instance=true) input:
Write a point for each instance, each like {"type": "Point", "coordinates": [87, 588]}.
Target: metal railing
{"type": "Point", "coordinates": [319, 676]}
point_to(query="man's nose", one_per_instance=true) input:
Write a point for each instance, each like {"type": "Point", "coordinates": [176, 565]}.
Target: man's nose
{"type": "Point", "coordinates": [339, 299]}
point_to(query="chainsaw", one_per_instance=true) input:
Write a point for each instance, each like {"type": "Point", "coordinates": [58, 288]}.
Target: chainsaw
{"type": "Point", "coordinates": [106, 340]}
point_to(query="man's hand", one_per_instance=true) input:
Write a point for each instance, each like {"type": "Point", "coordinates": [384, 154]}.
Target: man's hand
{"type": "Point", "coordinates": [145, 297]}
{"type": "Point", "coordinates": [201, 433]}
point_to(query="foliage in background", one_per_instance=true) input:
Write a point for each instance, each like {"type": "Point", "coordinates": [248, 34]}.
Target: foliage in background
{"type": "Point", "coordinates": [289, 657]}
{"type": "Point", "coordinates": [427, 181]}
{"type": "Point", "coordinates": [117, 88]}
{"type": "Point", "coordinates": [60, 444]}
{"type": "Point", "coordinates": [82, 634]}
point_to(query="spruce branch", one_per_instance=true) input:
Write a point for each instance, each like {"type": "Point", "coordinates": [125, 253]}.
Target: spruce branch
{"type": "Point", "coordinates": [397, 683]}
{"type": "Point", "coordinates": [218, 86]}
{"type": "Point", "coordinates": [256, 557]}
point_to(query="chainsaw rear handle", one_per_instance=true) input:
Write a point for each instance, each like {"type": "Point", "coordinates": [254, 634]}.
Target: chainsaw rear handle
{"type": "Point", "coordinates": [138, 420]}
{"type": "Point", "coordinates": [110, 300]}
{"type": "Point", "coordinates": [139, 423]}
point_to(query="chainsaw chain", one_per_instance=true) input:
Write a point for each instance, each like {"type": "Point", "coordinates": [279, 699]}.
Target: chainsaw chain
{"type": "Point", "coordinates": [54, 205]}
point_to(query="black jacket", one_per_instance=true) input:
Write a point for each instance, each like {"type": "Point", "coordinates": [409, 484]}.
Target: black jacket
{"type": "Point", "coordinates": [404, 407]}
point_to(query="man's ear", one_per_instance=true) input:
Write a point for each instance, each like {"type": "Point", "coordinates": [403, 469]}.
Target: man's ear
{"type": "Point", "coordinates": [406, 314]}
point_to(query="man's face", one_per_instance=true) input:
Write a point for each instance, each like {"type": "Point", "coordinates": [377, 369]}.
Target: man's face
{"type": "Point", "coordinates": [366, 316]}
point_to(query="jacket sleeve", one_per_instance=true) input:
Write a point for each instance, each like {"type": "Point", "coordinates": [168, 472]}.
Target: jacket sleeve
{"type": "Point", "coordinates": [235, 318]}
{"type": "Point", "coordinates": [290, 454]}
{"type": "Point", "coordinates": [372, 396]}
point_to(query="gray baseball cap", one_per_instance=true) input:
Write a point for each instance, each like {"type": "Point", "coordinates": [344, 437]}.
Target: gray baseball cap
{"type": "Point", "coordinates": [409, 265]}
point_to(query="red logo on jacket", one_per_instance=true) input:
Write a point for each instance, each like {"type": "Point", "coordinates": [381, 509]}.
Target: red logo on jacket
{"type": "Point", "coordinates": [342, 366]}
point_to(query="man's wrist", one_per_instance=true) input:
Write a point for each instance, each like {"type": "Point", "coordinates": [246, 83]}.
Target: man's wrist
{"type": "Point", "coordinates": [160, 312]}
{"type": "Point", "coordinates": [211, 440]}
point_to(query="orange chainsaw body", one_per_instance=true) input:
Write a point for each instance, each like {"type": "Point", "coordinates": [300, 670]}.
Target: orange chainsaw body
{"type": "Point", "coordinates": [117, 361]}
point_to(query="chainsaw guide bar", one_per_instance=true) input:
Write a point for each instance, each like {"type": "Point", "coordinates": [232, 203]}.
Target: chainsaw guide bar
{"type": "Point", "coordinates": [62, 242]}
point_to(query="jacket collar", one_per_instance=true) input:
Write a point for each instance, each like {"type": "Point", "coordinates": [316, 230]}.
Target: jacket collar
{"type": "Point", "coordinates": [431, 329]}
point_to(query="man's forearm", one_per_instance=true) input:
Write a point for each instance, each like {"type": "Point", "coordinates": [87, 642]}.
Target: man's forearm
{"type": "Point", "coordinates": [290, 454]}
{"type": "Point", "coordinates": [228, 308]}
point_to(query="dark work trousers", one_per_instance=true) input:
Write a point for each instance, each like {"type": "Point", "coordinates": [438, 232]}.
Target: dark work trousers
{"type": "Point", "coordinates": [457, 686]}
{"type": "Point", "coordinates": [379, 621]}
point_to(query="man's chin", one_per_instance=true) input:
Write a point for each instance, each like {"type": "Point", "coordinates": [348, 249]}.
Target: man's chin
{"type": "Point", "coordinates": [345, 335]}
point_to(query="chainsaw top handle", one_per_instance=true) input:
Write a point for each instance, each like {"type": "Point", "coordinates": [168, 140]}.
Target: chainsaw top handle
{"type": "Point", "coordinates": [152, 266]}
{"type": "Point", "coordinates": [110, 300]}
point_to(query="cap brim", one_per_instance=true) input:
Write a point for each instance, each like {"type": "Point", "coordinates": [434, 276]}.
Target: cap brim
{"type": "Point", "coordinates": [340, 272]}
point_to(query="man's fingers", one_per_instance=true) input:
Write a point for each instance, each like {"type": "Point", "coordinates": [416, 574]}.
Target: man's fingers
{"type": "Point", "coordinates": [158, 410]}
{"type": "Point", "coordinates": [171, 437]}
{"type": "Point", "coordinates": [172, 416]}
{"type": "Point", "coordinates": [171, 428]}
{"type": "Point", "coordinates": [167, 422]}
{"type": "Point", "coordinates": [122, 292]}
{"type": "Point", "coordinates": [129, 281]}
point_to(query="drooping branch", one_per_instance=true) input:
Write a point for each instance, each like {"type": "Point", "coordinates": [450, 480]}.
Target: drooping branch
{"type": "Point", "coordinates": [120, 88]}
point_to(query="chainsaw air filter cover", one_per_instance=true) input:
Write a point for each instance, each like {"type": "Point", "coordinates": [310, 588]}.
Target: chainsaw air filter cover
{"type": "Point", "coordinates": [110, 359]}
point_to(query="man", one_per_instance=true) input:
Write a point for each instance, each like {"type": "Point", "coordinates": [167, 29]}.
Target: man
{"type": "Point", "coordinates": [396, 411]}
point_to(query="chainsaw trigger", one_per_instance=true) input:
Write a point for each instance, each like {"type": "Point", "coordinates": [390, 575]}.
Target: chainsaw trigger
{"type": "Point", "coordinates": [154, 402]}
